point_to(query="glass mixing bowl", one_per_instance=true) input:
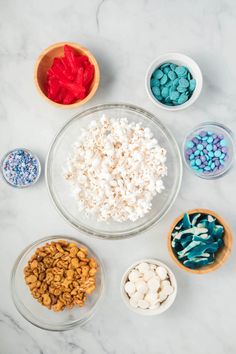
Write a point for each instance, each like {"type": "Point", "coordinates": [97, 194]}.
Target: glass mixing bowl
{"type": "Point", "coordinates": [38, 314]}
{"type": "Point", "coordinates": [60, 189]}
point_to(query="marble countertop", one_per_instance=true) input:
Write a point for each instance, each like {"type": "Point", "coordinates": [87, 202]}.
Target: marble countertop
{"type": "Point", "coordinates": [125, 36]}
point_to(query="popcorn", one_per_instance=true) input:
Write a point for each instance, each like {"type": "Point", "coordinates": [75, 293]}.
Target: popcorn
{"type": "Point", "coordinates": [116, 169]}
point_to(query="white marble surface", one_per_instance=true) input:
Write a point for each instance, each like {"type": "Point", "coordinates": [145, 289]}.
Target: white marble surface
{"type": "Point", "coordinates": [125, 36]}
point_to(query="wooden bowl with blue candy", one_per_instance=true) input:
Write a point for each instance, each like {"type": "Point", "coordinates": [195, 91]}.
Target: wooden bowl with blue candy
{"type": "Point", "coordinates": [199, 241]}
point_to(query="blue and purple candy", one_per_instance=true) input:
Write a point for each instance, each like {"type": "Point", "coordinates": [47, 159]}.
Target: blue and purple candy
{"type": "Point", "coordinates": [21, 168]}
{"type": "Point", "coordinates": [206, 152]}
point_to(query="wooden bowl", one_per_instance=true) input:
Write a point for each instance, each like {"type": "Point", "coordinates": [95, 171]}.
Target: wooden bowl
{"type": "Point", "coordinates": [45, 61]}
{"type": "Point", "coordinates": [221, 255]}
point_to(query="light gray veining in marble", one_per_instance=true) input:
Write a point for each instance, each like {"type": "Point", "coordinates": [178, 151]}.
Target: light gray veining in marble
{"type": "Point", "coordinates": [125, 36]}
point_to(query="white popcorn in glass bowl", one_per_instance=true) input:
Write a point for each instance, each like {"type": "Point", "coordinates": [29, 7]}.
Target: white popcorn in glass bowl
{"type": "Point", "coordinates": [115, 170]}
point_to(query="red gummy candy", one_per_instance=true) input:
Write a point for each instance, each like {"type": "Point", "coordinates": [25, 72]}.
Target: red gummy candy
{"type": "Point", "coordinates": [69, 77]}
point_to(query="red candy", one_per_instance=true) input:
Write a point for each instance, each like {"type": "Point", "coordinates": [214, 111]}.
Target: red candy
{"type": "Point", "coordinates": [69, 77]}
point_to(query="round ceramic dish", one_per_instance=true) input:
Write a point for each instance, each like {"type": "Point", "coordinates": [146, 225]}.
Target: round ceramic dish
{"type": "Point", "coordinates": [218, 129]}
{"type": "Point", "coordinates": [60, 189]}
{"type": "Point", "coordinates": [29, 152]}
{"type": "Point", "coordinates": [179, 59]}
{"type": "Point", "coordinates": [221, 255]}
{"type": "Point", "coordinates": [39, 315]}
{"type": "Point", "coordinates": [45, 61]}
{"type": "Point", "coordinates": [165, 305]}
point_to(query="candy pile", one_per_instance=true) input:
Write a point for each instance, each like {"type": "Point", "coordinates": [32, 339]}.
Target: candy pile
{"type": "Point", "coordinates": [196, 239]}
{"type": "Point", "coordinates": [21, 168]}
{"type": "Point", "coordinates": [70, 77]}
{"type": "Point", "coordinates": [206, 152]}
{"type": "Point", "coordinates": [172, 84]}
{"type": "Point", "coordinates": [116, 169]}
{"type": "Point", "coordinates": [148, 286]}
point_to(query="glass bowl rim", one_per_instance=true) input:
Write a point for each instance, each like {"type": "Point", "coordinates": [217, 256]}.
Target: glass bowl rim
{"type": "Point", "coordinates": [18, 303]}
{"type": "Point", "coordinates": [28, 151]}
{"type": "Point", "coordinates": [224, 128]}
{"type": "Point", "coordinates": [138, 229]}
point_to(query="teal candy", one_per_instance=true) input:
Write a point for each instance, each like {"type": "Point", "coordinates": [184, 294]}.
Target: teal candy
{"type": "Point", "coordinates": [183, 82]}
{"type": "Point", "coordinates": [189, 144]}
{"type": "Point", "coordinates": [198, 162]}
{"type": "Point", "coordinates": [156, 90]}
{"type": "Point", "coordinates": [174, 95]}
{"type": "Point", "coordinates": [217, 153]}
{"type": "Point", "coordinates": [210, 140]}
{"type": "Point", "coordinates": [222, 156]}
{"type": "Point", "coordinates": [182, 98]}
{"type": "Point", "coordinates": [164, 79]}
{"type": "Point", "coordinates": [209, 147]}
{"type": "Point", "coordinates": [211, 154]}
{"type": "Point", "coordinates": [166, 70]}
{"type": "Point", "coordinates": [172, 75]}
{"type": "Point", "coordinates": [212, 165]}
{"type": "Point", "coordinates": [164, 92]}
{"type": "Point", "coordinates": [181, 71]}
{"type": "Point", "coordinates": [155, 82]}
{"type": "Point", "coordinates": [197, 152]}
{"type": "Point", "coordinates": [173, 82]}
{"type": "Point", "coordinates": [192, 84]}
{"type": "Point", "coordinates": [157, 74]}
{"type": "Point", "coordinates": [196, 239]}
{"type": "Point", "coordinates": [223, 143]}
{"type": "Point", "coordinates": [191, 157]}
{"type": "Point", "coordinates": [200, 147]}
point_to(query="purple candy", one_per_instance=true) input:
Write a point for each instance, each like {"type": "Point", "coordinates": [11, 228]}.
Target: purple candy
{"type": "Point", "coordinates": [214, 136]}
{"type": "Point", "coordinates": [203, 158]}
{"type": "Point", "coordinates": [215, 141]}
{"type": "Point", "coordinates": [224, 149]}
{"type": "Point", "coordinates": [195, 140]}
{"type": "Point", "coordinates": [214, 148]}
{"type": "Point", "coordinates": [194, 148]}
{"type": "Point", "coordinates": [189, 151]}
{"type": "Point", "coordinates": [205, 151]}
{"type": "Point", "coordinates": [221, 136]}
{"type": "Point", "coordinates": [217, 162]}
{"type": "Point", "coordinates": [218, 145]}
{"type": "Point", "coordinates": [203, 133]}
{"type": "Point", "coordinates": [204, 144]}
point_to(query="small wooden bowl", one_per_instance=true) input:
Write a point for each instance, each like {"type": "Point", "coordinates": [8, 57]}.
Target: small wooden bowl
{"type": "Point", "coordinates": [45, 61]}
{"type": "Point", "coordinates": [221, 255]}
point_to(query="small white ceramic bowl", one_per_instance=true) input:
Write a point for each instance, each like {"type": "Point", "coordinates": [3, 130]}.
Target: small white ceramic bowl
{"type": "Point", "coordinates": [165, 304]}
{"type": "Point", "coordinates": [179, 59]}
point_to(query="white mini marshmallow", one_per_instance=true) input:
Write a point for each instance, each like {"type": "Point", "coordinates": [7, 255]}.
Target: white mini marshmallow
{"type": "Point", "coordinates": [162, 296]}
{"type": "Point", "coordinates": [130, 287]}
{"type": "Point", "coordinates": [143, 304]}
{"type": "Point", "coordinates": [151, 297]}
{"type": "Point", "coordinates": [162, 273]}
{"type": "Point", "coordinates": [154, 283]}
{"type": "Point", "coordinates": [137, 296]}
{"type": "Point", "coordinates": [141, 286]}
{"type": "Point", "coordinates": [134, 275]}
{"type": "Point", "coordinates": [143, 267]}
{"type": "Point", "coordinates": [148, 275]}
{"type": "Point", "coordinates": [133, 302]}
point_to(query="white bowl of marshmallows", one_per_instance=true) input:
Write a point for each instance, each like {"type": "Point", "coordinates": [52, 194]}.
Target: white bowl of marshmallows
{"type": "Point", "coordinates": [148, 287]}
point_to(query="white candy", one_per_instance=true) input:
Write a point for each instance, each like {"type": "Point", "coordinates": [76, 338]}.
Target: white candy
{"type": "Point", "coordinates": [154, 283]}
{"type": "Point", "coordinates": [162, 273]}
{"type": "Point", "coordinates": [122, 159]}
{"type": "Point", "coordinates": [143, 267]}
{"type": "Point", "coordinates": [151, 297]}
{"type": "Point", "coordinates": [148, 275]}
{"type": "Point", "coordinates": [134, 275]}
{"type": "Point", "coordinates": [137, 296]}
{"type": "Point", "coordinates": [155, 306]}
{"type": "Point", "coordinates": [130, 287]}
{"type": "Point", "coordinates": [141, 286]}
{"type": "Point", "coordinates": [168, 290]}
{"type": "Point", "coordinates": [143, 304]}
{"type": "Point", "coordinates": [165, 283]}
{"type": "Point", "coordinates": [162, 296]}
{"type": "Point", "coordinates": [133, 302]}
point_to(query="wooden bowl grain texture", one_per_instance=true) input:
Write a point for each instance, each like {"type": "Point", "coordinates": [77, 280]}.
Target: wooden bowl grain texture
{"type": "Point", "coordinates": [45, 61]}
{"type": "Point", "coordinates": [221, 255]}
